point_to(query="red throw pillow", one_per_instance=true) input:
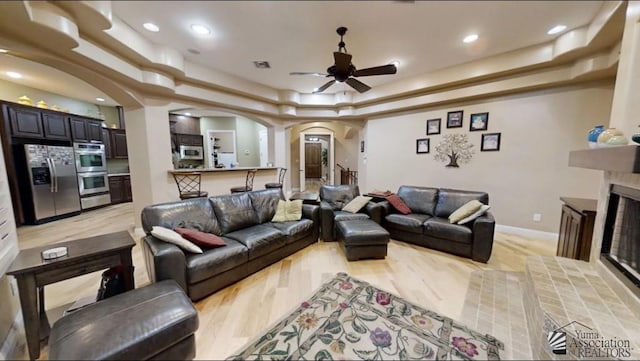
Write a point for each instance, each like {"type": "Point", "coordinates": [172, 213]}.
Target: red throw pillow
{"type": "Point", "coordinates": [200, 238]}
{"type": "Point", "coordinates": [398, 204]}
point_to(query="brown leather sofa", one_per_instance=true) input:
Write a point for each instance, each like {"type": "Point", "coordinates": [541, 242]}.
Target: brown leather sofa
{"type": "Point", "coordinates": [243, 220]}
{"type": "Point", "coordinates": [332, 199]}
{"type": "Point", "coordinates": [428, 224]}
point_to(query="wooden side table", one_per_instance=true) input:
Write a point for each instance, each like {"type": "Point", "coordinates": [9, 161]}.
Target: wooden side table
{"type": "Point", "coordinates": [576, 228]}
{"type": "Point", "coordinates": [84, 256]}
{"type": "Point", "coordinates": [307, 197]}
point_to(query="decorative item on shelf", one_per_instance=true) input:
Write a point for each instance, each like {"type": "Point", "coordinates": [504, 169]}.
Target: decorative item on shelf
{"type": "Point", "coordinates": [65, 110]}
{"type": "Point", "coordinates": [592, 136]}
{"type": "Point", "coordinates": [53, 253]}
{"type": "Point", "coordinates": [617, 140]}
{"type": "Point", "coordinates": [636, 137]}
{"type": "Point", "coordinates": [55, 107]}
{"type": "Point", "coordinates": [25, 100]}
{"type": "Point", "coordinates": [606, 135]}
{"type": "Point", "coordinates": [42, 104]}
{"type": "Point", "coordinates": [113, 126]}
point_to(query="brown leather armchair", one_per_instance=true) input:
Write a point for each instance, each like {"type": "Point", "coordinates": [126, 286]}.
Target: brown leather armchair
{"type": "Point", "coordinates": [332, 199]}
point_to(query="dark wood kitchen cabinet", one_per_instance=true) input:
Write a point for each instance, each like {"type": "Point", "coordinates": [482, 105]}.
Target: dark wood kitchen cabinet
{"type": "Point", "coordinates": [576, 228]}
{"type": "Point", "coordinates": [29, 122]}
{"type": "Point", "coordinates": [106, 140]}
{"type": "Point", "coordinates": [120, 189]}
{"type": "Point", "coordinates": [118, 144]}
{"type": "Point", "coordinates": [85, 130]}
{"type": "Point", "coordinates": [189, 139]}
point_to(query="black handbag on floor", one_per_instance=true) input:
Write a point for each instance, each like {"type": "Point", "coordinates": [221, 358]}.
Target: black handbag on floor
{"type": "Point", "coordinates": [112, 283]}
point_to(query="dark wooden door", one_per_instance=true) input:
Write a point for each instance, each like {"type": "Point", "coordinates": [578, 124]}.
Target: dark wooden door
{"type": "Point", "coordinates": [78, 130]}
{"type": "Point", "coordinates": [94, 130]}
{"type": "Point", "coordinates": [25, 123]}
{"type": "Point", "coordinates": [56, 126]}
{"type": "Point", "coordinates": [313, 160]}
{"type": "Point", "coordinates": [119, 144]}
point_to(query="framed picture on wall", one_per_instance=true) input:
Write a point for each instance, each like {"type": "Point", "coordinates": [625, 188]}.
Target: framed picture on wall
{"type": "Point", "coordinates": [433, 126]}
{"type": "Point", "coordinates": [479, 121]}
{"type": "Point", "coordinates": [454, 119]}
{"type": "Point", "coordinates": [490, 142]}
{"type": "Point", "coordinates": [422, 146]}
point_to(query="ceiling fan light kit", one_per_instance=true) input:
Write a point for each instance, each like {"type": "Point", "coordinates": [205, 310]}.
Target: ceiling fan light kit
{"type": "Point", "coordinates": [344, 71]}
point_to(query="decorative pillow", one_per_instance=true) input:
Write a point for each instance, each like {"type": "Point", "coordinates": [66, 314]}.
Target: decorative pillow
{"type": "Point", "coordinates": [397, 203]}
{"type": "Point", "coordinates": [288, 211]}
{"type": "Point", "coordinates": [356, 204]}
{"type": "Point", "coordinates": [465, 211]}
{"type": "Point", "coordinates": [483, 209]}
{"type": "Point", "coordinates": [167, 235]}
{"type": "Point", "coordinates": [202, 239]}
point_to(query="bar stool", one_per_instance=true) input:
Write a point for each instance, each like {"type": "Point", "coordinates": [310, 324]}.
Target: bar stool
{"type": "Point", "coordinates": [189, 185]}
{"type": "Point", "coordinates": [248, 184]}
{"type": "Point", "coordinates": [280, 180]}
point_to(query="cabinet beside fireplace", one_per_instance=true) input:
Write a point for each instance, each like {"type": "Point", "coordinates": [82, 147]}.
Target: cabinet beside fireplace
{"type": "Point", "coordinates": [576, 228]}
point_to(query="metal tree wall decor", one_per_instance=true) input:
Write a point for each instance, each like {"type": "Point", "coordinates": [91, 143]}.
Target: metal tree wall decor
{"type": "Point", "coordinates": [454, 148]}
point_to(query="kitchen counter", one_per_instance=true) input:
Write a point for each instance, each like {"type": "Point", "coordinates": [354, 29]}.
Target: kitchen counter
{"type": "Point", "coordinates": [218, 181]}
{"type": "Point", "coordinates": [208, 170]}
{"type": "Point", "coordinates": [117, 174]}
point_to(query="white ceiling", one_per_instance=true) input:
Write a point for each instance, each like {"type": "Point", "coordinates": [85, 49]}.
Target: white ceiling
{"type": "Point", "coordinates": [301, 36]}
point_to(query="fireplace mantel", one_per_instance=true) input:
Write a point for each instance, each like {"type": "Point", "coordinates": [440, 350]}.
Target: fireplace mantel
{"type": "Point", "coordinates": [624, 159]}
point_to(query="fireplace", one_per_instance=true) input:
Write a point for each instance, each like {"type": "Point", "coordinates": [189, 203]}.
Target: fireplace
{"type": "Point", "coordinates": [620, 250]}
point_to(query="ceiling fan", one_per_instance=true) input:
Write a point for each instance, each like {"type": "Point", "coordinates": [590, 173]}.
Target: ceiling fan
{"type": "Point", "coordinates": [344, 71]}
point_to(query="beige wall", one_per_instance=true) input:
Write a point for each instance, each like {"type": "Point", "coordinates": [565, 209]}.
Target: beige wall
{"type": "Point", "coordinates": [11, 92]}
{"type": "Point", "coordinates": [527, 175]}
{"type": "Point", "coordinates": [246, 137]}
{"type": "Point", "coordinates": [346, 147]}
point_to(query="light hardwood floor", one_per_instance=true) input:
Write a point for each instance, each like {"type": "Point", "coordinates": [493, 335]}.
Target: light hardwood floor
{"type": "Point", "coordinates": [240, 312]}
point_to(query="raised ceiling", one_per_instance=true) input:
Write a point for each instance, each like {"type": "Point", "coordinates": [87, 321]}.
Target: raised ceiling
{"type": "Point", "coordinates": [300, 35]}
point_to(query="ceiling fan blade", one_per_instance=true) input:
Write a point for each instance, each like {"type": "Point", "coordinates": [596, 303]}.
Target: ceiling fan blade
{"type": "Point", "coordinates": [343, 61]}
{"type": "Point", "coordinates": [358, 85]}
{"type": "Point", "coordinates": [324, 87]}
{"type": "Point", "coordinates": [308, 73]}
{"type": "Point", "coordinates": [376, 70]}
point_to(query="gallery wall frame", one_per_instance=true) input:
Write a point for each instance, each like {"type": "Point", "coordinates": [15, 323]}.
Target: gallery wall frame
{"type": "Point", "coordinates": [454, 119]}
{"type": "Point", "coordinates": [433, 126]}
{"type": "Point", "coordinates": [490, 142]}
{"type": "Point", "coordinates": [422, 146]}
{"type": "Point", "coordinates": [478, 121]}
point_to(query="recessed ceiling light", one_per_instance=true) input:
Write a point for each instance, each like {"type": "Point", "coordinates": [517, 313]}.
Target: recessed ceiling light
{"type": "Point", "coordinates": [100, 99]}
{"type": "Point", "coordinates": [4, 51]}
{"type": "Point", "coordinates": [151, 27]}
{"type": "Point", "coordinates": [13, 74]}
{"type": "Point", "coordinates": [187, 114]}
{"type": "Point", "coordinates": [200, 29]}
{"type": "Point", "coordinates": [470, 38]}
{"type": "Point", "coordinates": [556, 29]}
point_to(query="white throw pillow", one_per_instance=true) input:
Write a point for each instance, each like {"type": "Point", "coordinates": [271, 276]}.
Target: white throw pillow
{"type": "Point", "coordinates": [465, 211]}
{"type": "Point", "coordinates": [356, 204]}
{"type": "Point", "coordinates": [170, 236]}
{"type": "Point", "coordinates": [288, 211]}
{"type": "Point", "coordinates": [483, 209]}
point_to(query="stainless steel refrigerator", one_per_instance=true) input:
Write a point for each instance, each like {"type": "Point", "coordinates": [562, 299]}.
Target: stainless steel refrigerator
{"type": "Point", "coordinates": [53, 180]}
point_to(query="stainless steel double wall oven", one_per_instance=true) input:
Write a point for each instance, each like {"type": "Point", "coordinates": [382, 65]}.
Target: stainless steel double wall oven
{"type": "Point", "coordinates": [93, 183]}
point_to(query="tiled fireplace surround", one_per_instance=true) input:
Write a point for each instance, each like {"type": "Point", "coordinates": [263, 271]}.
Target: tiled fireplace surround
{"type": "Point", "coordinates": [522, 309]}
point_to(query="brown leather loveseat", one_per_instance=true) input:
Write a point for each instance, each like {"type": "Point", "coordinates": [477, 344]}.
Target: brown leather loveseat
{"type": "Point", "coordinates": [428, 224]}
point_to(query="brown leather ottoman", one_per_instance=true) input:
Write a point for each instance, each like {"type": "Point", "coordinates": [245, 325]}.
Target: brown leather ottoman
{"type": "Point", "coordinates": [362, 238]}
{"type": "Point", "coordinates": [153, 322]}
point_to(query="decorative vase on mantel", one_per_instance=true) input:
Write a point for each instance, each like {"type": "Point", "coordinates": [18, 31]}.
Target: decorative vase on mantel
{"type": "Point", "coordinates": [592, 136]}
{"type": "Point", "coordinates": [612, 137]}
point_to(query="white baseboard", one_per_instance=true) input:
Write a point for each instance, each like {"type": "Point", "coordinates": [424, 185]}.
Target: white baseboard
{"type": "Point", "coordinates": [8, 347]}
{"type": "Point", "coordinates": [526, 232]}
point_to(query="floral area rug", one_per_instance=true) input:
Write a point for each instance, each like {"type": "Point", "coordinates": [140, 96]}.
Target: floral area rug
{"type": "Point", "coordinates": [349, 319]}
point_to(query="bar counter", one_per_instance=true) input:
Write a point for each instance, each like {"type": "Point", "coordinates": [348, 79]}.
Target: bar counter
{"type": "Point", "coordinates": [218, 181]}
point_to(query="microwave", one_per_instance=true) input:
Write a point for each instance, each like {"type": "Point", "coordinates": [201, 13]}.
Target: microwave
{"type": "Point", "coordinates": [191, 152]}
